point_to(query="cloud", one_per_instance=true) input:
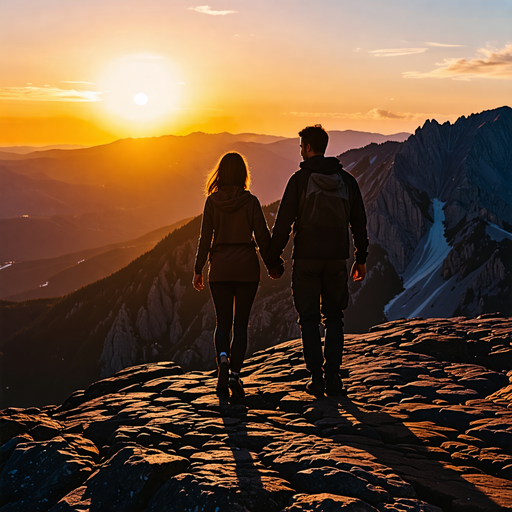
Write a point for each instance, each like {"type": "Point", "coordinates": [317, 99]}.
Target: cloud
{"type": "Point", "coordinates": [375, 113]}
{"type": "Point", "coordinates": [381, 113]}
{"type": "Point", "coordinates": [490, 63]}
{"type": "Point", "coordinates": [206, 9]}
{"type": "Point", "coordinates": [76, 82]}
{"type": "Point", "coordinates": [442, 45]}
{"type": "Point", "coordinates": [47, 94]}
{"type": "Point", "coordinates": [396, 52]}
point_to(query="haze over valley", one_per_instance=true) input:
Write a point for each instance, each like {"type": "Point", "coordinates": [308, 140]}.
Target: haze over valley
{"type": "Point", "coordinates": [56, 202]}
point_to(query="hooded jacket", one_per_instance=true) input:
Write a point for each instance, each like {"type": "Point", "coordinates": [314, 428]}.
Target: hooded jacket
{"type": "Point", "coordinates": [232, 218]}
{"type": "Point", "coordinates": [321, 201]}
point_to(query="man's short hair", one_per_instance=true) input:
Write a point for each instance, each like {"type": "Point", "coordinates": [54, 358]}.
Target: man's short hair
{"type": "Point", "coordinates": [316, 137]}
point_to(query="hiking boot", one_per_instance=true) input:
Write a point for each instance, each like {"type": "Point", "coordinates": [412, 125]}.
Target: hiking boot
{"type": "Point", "coordinates": [334, 385]}
{"type": "Point", "coordinates": [315, 384]}
{"type": "Point", "coordinates": [236, 386]}
{"type": "Point", "coordinates": [223, 376]}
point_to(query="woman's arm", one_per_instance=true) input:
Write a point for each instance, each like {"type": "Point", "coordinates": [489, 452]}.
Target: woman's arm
{"type": "Point", "coordinates": [205, 238]}
{"type": "Point", "coordinates": [261, 232]}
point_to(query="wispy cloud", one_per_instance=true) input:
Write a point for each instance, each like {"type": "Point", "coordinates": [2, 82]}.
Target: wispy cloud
{"type": "Point", "coordinates": [206, 9]}
{"type": "Point", "coordinates": [375, 113]}
{"type": "Point", "coordinates": [490, 63]}
{"type": "Point", "coordinates": [442, 45]}
{"type": "Point", "coordinates": [396, 52]}
{"type": "Point", "coordinates": [380, 113]}
{"type": "Point", "coordinates": [31, 93]}
{"type": "Point", "coordinates": [76, 82]}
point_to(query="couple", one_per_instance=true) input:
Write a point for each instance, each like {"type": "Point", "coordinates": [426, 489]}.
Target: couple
{"type": "Point", "coordinates": [320, 202]}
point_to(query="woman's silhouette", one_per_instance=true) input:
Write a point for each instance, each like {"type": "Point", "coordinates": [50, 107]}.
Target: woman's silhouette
{"type": "Point", "coordinates": [232, 215]}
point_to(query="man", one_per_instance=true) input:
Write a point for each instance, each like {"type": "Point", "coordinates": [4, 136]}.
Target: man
{"type": "Point", "coordinates": [321, 201]}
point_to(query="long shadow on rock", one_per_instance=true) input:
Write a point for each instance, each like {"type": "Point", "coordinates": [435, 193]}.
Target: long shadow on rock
{"type": "Point", "coordinates": [410, 450]}
{"type": "Point", "coordinates": [226, 475]}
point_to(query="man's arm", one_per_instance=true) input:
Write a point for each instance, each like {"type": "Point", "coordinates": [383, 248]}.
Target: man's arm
{"type": "Point", "coordinates": [359, 234]}
{"type": "Point", "coordinates": [261, 231]}
{"type": "Point", "coordinates": [285, 218]}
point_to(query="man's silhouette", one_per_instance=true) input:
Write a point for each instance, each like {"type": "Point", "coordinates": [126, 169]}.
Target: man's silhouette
{"type": "Point", "coordinates": [321, 201]}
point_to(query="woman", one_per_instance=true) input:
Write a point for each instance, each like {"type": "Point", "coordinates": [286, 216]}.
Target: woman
{"type": "Point", "coordinates": [231, 216]}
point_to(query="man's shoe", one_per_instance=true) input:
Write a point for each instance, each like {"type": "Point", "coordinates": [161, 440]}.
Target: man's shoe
{"type": "Point", "coordinates": [236, 386]}
{"type": "Point", "coordinates": [315, 385]}
{"type": "Point", "coordinates": [334, 385]}
{"type": "Point", "coordinates": [222, 379]}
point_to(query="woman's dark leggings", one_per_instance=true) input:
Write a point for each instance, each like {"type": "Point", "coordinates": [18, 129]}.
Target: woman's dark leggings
{"type": "Point", "coordinates": [229, 296]}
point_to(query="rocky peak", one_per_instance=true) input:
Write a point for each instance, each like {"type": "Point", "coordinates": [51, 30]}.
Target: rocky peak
{"type": "Point", "coordinates": [441, 208]}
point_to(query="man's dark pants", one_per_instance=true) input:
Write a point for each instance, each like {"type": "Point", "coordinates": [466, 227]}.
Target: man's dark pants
{"type": "Point", "coordinates": [320, 289]}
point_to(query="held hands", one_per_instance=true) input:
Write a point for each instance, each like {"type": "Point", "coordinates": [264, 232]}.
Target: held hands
{"type": "Point", "coordinates": [277, 272]}
{"type": "Point", "coordinates": [197, 282]}
{"type": "Point", "coordinates": [358, 271]}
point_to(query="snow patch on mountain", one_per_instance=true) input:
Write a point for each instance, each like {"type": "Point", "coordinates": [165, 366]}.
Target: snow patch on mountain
{"type": "Point", "coordinates": [422, 279]}
{"type": "Point", "coordinates": [497, 233]}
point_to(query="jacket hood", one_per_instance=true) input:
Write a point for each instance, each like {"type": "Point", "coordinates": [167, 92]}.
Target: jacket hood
{"type": "Point", "coordinates": [230, 198]}
{"type": "Point", "coordinates": [327, 181]}
{"type": "Point", "coordinates": [321, 164]}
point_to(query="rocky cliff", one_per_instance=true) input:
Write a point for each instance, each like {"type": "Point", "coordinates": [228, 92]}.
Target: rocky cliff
{"type": "Point", "coordinates": [426, 427]}
{"type": "Point", "coordinates": [440, 205]}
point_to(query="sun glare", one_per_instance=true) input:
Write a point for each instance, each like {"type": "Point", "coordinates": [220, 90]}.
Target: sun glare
{"type": "Point", "coordinates": [140, 98]}
{"type": "Point", "coordinates": [124, 80]}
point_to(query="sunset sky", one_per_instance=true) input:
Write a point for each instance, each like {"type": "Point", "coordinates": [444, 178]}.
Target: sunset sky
{"type": "Point", "coordinates": [70, 69]}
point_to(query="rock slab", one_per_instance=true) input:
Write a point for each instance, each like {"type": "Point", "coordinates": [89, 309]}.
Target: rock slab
{"type": "Point", "coordinates": [417, 431]}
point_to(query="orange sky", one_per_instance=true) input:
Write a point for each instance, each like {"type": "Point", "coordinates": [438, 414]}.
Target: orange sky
{"type": "Point", "coordinates": [71, 69]}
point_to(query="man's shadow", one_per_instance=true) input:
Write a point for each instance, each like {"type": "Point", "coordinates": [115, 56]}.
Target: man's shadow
{"type": "Point", "coordinates": [433, 482]}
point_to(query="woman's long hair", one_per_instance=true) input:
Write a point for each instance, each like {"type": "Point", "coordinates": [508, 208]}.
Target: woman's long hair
{"type": "Point", "coordinates": [232, 170]}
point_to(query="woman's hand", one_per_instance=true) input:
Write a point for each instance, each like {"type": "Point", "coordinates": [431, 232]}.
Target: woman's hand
{"type": "Point", "coordinates": [197, 282]}
{"type": "Point", "coordinates": [358, 271]}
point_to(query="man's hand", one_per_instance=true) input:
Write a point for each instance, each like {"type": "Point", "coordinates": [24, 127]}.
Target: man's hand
{"type": "Point", "coordinates": [358, 271]}
{"type": "Point", "coordinates": [277, 272]}
{"type": "Point", "coordinates": [197, 282]}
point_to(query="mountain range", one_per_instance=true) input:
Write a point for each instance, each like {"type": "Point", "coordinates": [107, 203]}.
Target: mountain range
{"type": "Point", "coordinates": [56, 202]}
{"type": "Point", "coordinates": [23, 150]}
{"type": "Point", "coordinates": [439, 213]}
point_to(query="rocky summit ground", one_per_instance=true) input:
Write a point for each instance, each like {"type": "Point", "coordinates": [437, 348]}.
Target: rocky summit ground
{"type": "Point", "coordinates": [426, 426]}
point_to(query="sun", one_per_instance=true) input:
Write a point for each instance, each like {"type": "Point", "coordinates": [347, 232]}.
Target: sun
{"type": "Point", "coordinates": [140, 98]}
{"type": "Point", "coordinates": [124, 80]}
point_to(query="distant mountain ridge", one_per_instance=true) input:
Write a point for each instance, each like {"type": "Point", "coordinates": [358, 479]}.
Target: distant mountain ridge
{"type": "Point", "coordinates": [23, 150]}
{"type": "Point", "coordinates": [124, 189]}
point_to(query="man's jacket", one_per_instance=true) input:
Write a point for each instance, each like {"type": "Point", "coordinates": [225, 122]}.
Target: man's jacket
{"type": "Point", "coordinates": [321, 201]}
